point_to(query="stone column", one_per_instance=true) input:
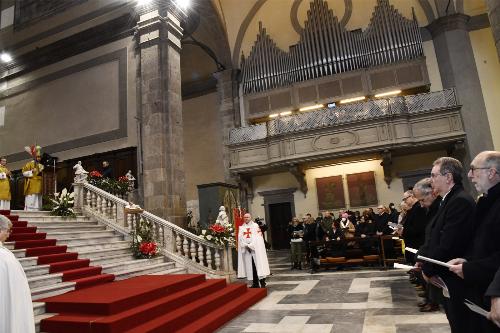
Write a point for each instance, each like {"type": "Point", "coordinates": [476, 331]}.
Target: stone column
{"type": "Point", "coordinates": [494, 16]}
{"type": "Point", "coordinates": [159, 38]}
{"type": "Point", "coordinates": [458, 70]}
{"type": "Point", "coordinates": [227, 90]}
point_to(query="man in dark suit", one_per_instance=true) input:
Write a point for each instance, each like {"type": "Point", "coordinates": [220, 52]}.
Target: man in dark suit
{"type": "Point", "coordinates": [482, 258]}
{"type": "Point", "coordinates": [451, 234]}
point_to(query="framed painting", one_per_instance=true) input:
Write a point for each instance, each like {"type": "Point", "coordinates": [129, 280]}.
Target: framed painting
{"type": "Point", "coordinates": [362, 189]}
{"type": "Point", "coordinates": [330, 192]}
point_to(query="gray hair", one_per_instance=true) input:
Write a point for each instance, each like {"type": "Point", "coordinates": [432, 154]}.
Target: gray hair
{"type": "Point", "coordinates": [5, 223]}
{"type": "Point", "coordinates": [450, 165]}
{"type": "Point", "coordinates": [492, 159]}
{"type": "Point", "coordinates": [423, 186]}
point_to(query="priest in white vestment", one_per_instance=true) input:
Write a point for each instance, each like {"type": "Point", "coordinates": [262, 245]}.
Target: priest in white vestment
{"type": "Point", "coordinates": [252, 256]}
{"type": "Point", "coordinates": [16, 308]}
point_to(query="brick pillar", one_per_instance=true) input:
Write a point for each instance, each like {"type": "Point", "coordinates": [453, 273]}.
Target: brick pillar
{"type": "Point", "coordinates": [458, 70]}
{"type": "Point", "coordinates": [227, 89]}
{"type": "Point", "coordinates": [494, 16]}
{"type": "Point", "coordinates": [159, 38]}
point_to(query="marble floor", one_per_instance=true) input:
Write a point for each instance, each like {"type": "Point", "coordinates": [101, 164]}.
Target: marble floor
{"type": "Point", "coordinates": [351, 301]}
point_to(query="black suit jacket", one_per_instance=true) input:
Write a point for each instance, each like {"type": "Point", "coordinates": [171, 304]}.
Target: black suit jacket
{"type": "Point", "coordinates": [414, 226]}
{"type": "Point", "coordinates": [494, 288]}
{"type": "Point", "coordinates": [431, 213]}
{"type": "Point", "coordinates": [483, 256]}
{"type": "Point", "coordinates": [451, 233]}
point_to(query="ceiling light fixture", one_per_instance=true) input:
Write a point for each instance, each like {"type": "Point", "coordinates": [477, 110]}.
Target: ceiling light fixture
{"type": "Point", "coordinates": [312, 107]}
{"type": "Point", "coordinates": [389, 93]}
{"type": "Point", "coordinates": [354, 99]}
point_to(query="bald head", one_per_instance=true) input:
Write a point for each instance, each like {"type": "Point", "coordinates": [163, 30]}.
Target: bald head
{"type": "Point", "coordinates": [247, 217]}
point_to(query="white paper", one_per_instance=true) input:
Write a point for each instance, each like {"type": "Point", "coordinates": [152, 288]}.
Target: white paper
{"type": "Point", "coordinates": [476, 308]}
{"type": "Point", "coordinates": [434, 261]}
{"type": "Point", "coordinates": [409, 249]}
{"type": "Point", "coordinates": [401, 266]}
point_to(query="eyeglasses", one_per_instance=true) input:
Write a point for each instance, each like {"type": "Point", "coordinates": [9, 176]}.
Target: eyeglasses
{"type": "Point", "coordinates": [472, 168]}
{"type": "Point", "coordinates": [406, 198]}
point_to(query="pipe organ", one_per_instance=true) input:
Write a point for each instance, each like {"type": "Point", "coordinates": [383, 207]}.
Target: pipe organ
{"type": "Point", "coordinates": [326, 48]}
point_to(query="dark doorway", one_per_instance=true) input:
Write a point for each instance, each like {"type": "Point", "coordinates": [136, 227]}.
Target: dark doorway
{"type": "Point", "coordinates": [280, 214]}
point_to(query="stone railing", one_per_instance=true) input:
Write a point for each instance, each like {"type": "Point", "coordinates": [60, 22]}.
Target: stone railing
{"type": "Point", "coordinates": [343, 114]}
{"type": "Point", "coordinates": [183, 247]}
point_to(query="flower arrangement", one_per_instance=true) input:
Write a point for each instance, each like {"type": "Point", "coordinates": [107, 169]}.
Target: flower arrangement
{"type": "Point", "coordinates": [119, 187]}
{"type": "Point", "coordinates": [143, 244]}
{"type": "Point", "coordinates": [220, 234]}
{"type": "Point", "coordinates": [62, 204]}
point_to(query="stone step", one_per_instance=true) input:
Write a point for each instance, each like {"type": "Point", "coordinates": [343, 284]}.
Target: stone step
{"type": "Point", "coordinates": [44, 280]}
{"type": "Point", "coordinates": [70, 228]}
{"type": "Point", "coordinates": [51, 290]}
{"type": "Point", "coordinates": [38, 308]}
{"type": "Point", "coordinates": [81, 234]}
{"type": "Point", "coordinates": [113, 262]}
{"type": "Point", "coordinates": [122, 247]}
{"type": "Point", "coordinates": [40, 317]}
{"type": "Point", "coordinates": [30, 213]}
{"type": "Point", "coordinates": [151, 269]}
{"type": "Point", "coordinates": [35, 219]}
{"type": "Point", "coordinates": [28, 262]}
{"type": "Point", "coordinates": [44, 224]}
{"type": "Point", "coordinates": [82, 248]}
{"type": "Point", "coordinates": [97, 240]}
{"type": "Point", "coordinates": [123, 257]}
{"type": "Point", "coordinates": [39, 270]}
{"type": "Point", "coordinates": [112, 268]}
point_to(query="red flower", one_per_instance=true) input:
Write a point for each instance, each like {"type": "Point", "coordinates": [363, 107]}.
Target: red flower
{"type": "Point", "coordinates": [148, 248]}
{"type": "Point", "coordinates": [123, 179]}
{"type": "Point", "coordinates": [95, 173]}
{"type": "Point", "coordinates": [217, 228]}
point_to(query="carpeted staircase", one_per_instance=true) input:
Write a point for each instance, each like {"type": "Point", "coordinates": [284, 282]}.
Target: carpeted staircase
{"type": "Point", "coordinates": [77, 259]}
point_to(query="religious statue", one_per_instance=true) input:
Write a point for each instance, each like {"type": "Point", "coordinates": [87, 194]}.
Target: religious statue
{"type": "Point", "coordinates": [222, 218]}
{"type": "Point", "coordinates": [80, 173]}
{"type": "Point", "coordinates": [131, 180]}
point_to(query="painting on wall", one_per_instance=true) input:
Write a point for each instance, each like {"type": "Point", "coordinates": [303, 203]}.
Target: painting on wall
{"type": "Point", "coordinates": [330, 192]}
{"type": "Point", "coordinates": [362, 189]}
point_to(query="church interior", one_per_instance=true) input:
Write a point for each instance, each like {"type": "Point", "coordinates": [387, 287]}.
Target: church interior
{"type": "Point", "coordinates": [279, 108]}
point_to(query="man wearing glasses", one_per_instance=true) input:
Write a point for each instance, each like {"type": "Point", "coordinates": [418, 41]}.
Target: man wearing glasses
{"type": "Point", "coordinates": [482, 258]}
{"type": "Point", "coordinates": [451, 231]}
{"type": "Point", "coordinates": [414, 226]}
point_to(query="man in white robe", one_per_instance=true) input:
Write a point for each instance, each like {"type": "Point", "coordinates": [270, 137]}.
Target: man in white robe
{"type": "Point", "coordinates": [16, 308]}
{"type": "Point", "coordinates": [252, 257]}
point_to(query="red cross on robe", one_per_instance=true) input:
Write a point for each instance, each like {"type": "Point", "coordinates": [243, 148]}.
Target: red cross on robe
{"type": "Point", "coordinates": [247, 233]}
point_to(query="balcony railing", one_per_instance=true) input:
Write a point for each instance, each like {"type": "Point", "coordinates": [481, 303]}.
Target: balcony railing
{"type": "Point", "coordinates": [343, 114]}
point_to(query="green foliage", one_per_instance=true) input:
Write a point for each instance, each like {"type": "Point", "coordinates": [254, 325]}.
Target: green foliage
{"type": "Point", "coordinates": [143, 244]}
{"type": "Point", "coordinates": [63, 204]}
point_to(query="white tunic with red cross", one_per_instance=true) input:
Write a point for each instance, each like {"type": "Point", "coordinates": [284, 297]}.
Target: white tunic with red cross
{"type": "Point", "coordinates": [251, 245]}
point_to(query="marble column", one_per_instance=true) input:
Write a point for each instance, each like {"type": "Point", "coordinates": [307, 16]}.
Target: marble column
{"type": "Point", "coordinates": [494, 16]}
{"type": "Point", "coordinates": [227, 90]}
{"type": "Point", "coordinates": [159, 43]}
{"type": "Point", "coordinates": [458, 70]}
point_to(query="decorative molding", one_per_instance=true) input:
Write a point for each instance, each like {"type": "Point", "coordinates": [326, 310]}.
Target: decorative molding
{"type": "Point", "coordinates": [448, 23]}
{"type": "Point", "coordinates": [299, 174]}
{"type": "Point", "coordinates": [427, 8]}
{"type": "Point", "coordinates": [387, 166]}
{"type": "Point", "coordinates": [294, 16]}
{"type": "Point", "coordinates": [243, 29]}
{"type": "Point", "coordinates": [29, 12]}
{"type": "Point", "coordinates": [347, 13]}
{"type": "Point", "coordinates": [73, 45]}
{"type": "Point", "coordinates": [121, 132]}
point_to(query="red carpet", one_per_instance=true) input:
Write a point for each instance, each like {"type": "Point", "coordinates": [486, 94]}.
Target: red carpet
{"type": "Point", "coordinates": [150, 303]}
{"type": "Point", "coordinates": [36, 245]}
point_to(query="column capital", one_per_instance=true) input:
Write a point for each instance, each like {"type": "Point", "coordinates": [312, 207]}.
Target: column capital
{"type": "Point", "coordinates": [448, 23]}
{"type": "Point", "coordinates": [160, 20]}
